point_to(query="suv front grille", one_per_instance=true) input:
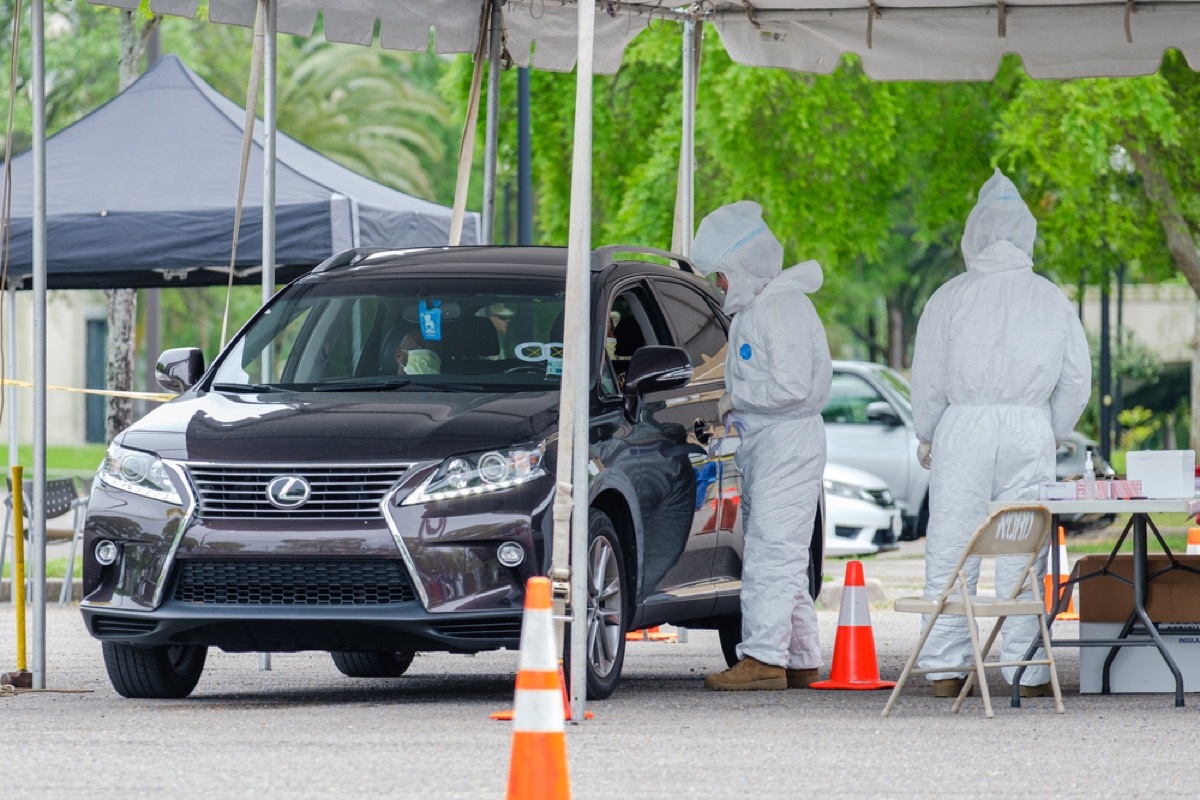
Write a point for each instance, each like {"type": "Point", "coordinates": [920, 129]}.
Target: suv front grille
{"type": "Point", "coordinates": [233, 491]}
{"type": "Point", "coordinates": [261, 582]}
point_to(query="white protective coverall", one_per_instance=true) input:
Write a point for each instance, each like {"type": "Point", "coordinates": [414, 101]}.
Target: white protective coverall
{"type": "Point", "coordinates": [1001, 372]}
{"type": "Point", "coordinates": [777, 378]}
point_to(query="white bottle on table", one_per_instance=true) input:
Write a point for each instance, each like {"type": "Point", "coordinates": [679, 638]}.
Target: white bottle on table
{"type": "Point", "coordinates": [1089, 478]}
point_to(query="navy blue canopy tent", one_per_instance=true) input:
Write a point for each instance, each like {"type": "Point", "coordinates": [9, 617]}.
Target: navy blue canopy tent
{"type": "Point", "coordinates": [141, 193]}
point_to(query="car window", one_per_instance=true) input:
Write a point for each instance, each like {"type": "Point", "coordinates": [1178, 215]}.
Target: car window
{"type": "Point", "coordinates": [634, 322]}
{"type": "Point", "coordinates": [697, 326]}
{"type": "Point", "coordinates": [501, 334]}
{"type": "Point", "coordinates": [849, 396]}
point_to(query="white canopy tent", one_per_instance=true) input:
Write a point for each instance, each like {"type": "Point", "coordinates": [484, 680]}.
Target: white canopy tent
{"type": "Point", "coordinates": [896, 40]}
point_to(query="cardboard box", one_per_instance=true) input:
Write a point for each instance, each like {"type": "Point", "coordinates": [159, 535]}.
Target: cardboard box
{"type": "Point", "coordinates": [1139, 669]}
{"type": "Point", "coordinates": [1163, 473]}
{"type": "Point", "coordinates": [1173, 596]}
{"type": "Point", "coordinates": [1106, 602]}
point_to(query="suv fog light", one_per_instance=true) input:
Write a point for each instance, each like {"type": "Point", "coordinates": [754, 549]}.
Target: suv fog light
{"type": "Point", "coordinates": [106, 552]}
{"type": "Point", "coordinates": [510, 554]}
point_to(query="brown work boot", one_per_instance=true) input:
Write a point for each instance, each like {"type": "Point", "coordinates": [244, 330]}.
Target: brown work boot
{"type": "Point", "coordinates": [802, 678]}
{"type": "Point", "coordinates": [1037, 690]}
{"type": "Point", "coordinates": [948, 687]}
{"type": "Point", "coordinates": [749, 673]}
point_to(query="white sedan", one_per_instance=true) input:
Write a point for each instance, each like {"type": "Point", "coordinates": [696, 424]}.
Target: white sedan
{"type": "Point", "coordinates": [861, 516]}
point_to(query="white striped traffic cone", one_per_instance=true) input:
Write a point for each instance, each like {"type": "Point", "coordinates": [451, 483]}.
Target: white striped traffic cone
{"type": "Point", "coordinates": [1054, 583]}
{"type": "Point", "coordinates": [1193, 544]}
{"type": "Point", "coordinates": [538, 766]}
{"type": "Point", "coordinates": [854, 663]}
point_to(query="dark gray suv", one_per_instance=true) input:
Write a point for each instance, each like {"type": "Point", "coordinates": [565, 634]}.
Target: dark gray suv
{"type": "Point", "coordinates": [367, 469]}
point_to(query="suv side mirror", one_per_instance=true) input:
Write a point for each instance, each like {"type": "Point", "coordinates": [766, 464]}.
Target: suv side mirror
{"type": "Point", "coordinates": [882, 412]}
{"type": "Point", "coordinates": [178, 369]}
{"type": "Point", "coordinates": [654, 368]}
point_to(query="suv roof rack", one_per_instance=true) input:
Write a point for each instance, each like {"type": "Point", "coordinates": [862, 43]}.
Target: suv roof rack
{"type": "Point", "coordinates": [348, 258]}
{"type": "Point", "coordinates": [605, 255]}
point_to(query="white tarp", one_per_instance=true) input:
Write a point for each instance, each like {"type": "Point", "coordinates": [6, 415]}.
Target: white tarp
{"type": "Point", "coordinates": [897, 39]}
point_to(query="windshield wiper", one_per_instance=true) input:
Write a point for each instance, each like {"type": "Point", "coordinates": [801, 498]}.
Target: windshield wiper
{"type": "Point", "coordinates": [397, 384]}
{"type": "Point", "coordinates": [244, 387]}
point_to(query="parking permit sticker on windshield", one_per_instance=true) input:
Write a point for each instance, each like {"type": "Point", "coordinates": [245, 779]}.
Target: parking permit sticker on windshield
{"type": "Point", "coordinates": [431, 320]}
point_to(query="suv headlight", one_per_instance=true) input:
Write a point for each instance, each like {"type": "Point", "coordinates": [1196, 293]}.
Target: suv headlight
{"type": "Point", "coordinates": [139, 473]}
{"type": "Point", "coordinates": [479, 473]}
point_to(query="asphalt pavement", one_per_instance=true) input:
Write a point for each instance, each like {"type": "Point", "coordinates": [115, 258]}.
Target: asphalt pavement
{"type": "Point", "coordinates": [302, 730]}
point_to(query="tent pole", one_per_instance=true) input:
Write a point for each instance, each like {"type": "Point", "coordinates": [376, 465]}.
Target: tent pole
{"type": "Point", "coordinates": [37, 561]}
{"type": "Point", "coordinates": [10, 407]}
{"type": "Point", "coordinates": [270, 59]}
{"type": "Point", "coordinates": [571, 495]}
{"type": "Point", "coordinates": [685, 221]}
{"type": "Point", "coordinates": [270, 94]}
{"type": "Point", "coordinates": [491, 132]}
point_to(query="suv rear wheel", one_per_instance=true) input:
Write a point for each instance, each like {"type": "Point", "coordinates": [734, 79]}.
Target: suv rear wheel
{"type": "Point", "coordinates": [167, 672]}
{"type": "Point", "coordinates": [372, 664]}
{"type": "Point", "coordinates": [605, 638]}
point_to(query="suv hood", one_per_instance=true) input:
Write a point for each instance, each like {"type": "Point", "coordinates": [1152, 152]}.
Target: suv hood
{"type": "Point", "coordinates": [344, 427]}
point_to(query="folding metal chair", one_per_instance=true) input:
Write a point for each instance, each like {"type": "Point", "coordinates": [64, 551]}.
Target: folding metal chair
{"type": "Point", "coordinates": [1015, 531]}
{"type": "Point", "coordinates": [62, 495]}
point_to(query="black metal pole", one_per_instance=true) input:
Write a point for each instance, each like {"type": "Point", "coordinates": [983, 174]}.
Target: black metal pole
{"type": "Point", "coordinates": [1118, 380]}
{"type": "Point", "coordinates": [1105, 375]}
{"type": "Point", "coordinates": [524, 159]}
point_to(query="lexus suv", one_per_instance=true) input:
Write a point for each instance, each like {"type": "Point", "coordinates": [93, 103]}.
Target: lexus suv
{"type": "Point", "coordinates": [368, 469]}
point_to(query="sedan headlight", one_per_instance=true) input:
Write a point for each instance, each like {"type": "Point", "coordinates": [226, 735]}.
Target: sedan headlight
{"type": "Point", "coordinates": [479, 473]}
{"type": "Point", "coordinates": [848, 490]}
{"type": "Point", "coordinates": [139, 473]}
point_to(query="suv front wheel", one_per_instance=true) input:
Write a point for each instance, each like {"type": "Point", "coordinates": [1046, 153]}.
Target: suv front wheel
{"type": "Point", "coordinates": [372, 664]}
{"type": "Point", "coordinates": [166, 672]}
{"type": "Point", "coordinates": [605, 638]}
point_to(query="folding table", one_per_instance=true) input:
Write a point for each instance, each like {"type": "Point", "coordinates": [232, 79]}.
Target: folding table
{"type": "Point", "coordinates": [1140, 523]}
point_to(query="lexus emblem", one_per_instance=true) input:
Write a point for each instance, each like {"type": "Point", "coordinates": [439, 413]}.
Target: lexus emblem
{"type": "Point", "coordinates": [288, 491]}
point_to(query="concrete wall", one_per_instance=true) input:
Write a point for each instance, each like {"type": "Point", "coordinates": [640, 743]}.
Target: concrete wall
{"type": "Point", "coordinates": [67, 314]}
{"type": "Point", "coordinates": [1161, 316]}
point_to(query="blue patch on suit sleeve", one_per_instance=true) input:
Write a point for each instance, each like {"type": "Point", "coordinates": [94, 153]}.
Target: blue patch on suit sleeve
{"type": "Point", "coordinates": [745, 352]}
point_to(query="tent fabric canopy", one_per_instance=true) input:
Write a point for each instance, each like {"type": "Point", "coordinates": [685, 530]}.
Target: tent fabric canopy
{"type": "Point", "coordinates": [142, 192]}
{"type": "Point", "coordinates": [897, 39]}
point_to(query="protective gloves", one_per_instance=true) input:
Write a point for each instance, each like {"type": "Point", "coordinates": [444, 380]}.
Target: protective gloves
{"type": "Point", "coordinates": [924, 454]}
{"type": "Point", "coordinates": [725, 405]}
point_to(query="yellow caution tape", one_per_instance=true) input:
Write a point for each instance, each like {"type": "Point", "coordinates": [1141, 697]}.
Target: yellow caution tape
{"type": "Point", "coordinates": [157, 396]}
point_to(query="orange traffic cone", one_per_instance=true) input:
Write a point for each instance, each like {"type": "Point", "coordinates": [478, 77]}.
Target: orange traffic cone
{"type": "Point", "coordinates": [854, 662]}
{"type": "Point", "coordinates": [538, 766]}
{"type": "Point", "coordinates": [1055, 584]}
{"type": "Point", "coordinates": [1193, 545]}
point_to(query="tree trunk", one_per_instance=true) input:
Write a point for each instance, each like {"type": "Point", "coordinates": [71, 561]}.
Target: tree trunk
{"type": "Point", "coordinates": [122, 303]}
{"type": "Point", "coordinates": [897, 347]}
{"type": "Point", "coordinates": [1182, 246]}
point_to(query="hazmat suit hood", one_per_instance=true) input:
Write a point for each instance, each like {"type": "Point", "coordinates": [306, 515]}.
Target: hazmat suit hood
{"type": "Point", "coordinates": [1000, 230]}
{"type": "Point", "coordinates": [735, 241]}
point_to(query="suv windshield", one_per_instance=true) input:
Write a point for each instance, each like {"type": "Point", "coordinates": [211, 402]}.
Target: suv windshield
{"type": "Point", "coordinates": [377, 334]}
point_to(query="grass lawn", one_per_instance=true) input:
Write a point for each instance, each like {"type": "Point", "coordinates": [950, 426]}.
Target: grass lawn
{"type": "Point", "coordinates": [55, 567]}
{"type": "Point", "coordinates": [1173, 527]}
{"type": "Point", "coordinates": [60, 461]}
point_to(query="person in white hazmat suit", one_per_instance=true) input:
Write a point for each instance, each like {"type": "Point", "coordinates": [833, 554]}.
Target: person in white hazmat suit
{"type": "Point", "coordinates": [1001, 373]}
{"type": "Point", "coordinates": [777, 379]}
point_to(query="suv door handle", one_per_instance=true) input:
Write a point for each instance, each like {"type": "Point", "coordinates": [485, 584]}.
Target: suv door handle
{"type": "Point", "coordinates": [703, 431]}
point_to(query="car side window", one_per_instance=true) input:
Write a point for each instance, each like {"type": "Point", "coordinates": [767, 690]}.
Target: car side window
{"type": "Point", "coordinates": [849, 396]}
{"type": "Point", "coordinates": [634, 322]}
{"type": "Point", "coordinates": [698, 328]}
